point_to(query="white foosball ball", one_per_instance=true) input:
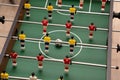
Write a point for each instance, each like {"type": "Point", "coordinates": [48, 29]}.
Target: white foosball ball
{"type": "Point", "coordinates": [58, 43]}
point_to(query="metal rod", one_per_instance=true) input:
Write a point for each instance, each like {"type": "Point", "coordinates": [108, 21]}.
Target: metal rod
{"type": "Point", "coordinates": [73, 62]}
{"type": "Point", "coordinates": [56, 25]}
{"type": "Point", "coordinates": [33, 7]}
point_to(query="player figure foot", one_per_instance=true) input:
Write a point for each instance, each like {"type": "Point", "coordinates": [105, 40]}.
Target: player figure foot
{"type": "Point", "coordinates": [44, 33]}
{"type": "Point", "coordinates": [28, 15]}
{"type": "Point", "coordinates": [102, 9]}
{"type": "Point", "coordinates": [71, 20]}
{"type": "Point", "coordinates": [40, 67]}
{"type": "Point", "coordinates": [14, 64]}
{"type": "Point", "coordinates": [68, 35]}
{"type": "Point", "coordinates": [23, 48]}
{"type": "Point", "coordinates": [46, 51]}
{"type": "Point", "coordinates": [66, 70]}
{"type": "Point", "coordinates": [81, 7]}
{"type": "Point", "coordinates": [90, 37]}
{"type": "Point", "coordinates": [71, 53]}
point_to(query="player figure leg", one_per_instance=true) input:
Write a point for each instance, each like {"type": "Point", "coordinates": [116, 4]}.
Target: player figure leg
{"type": "Point", "coordinates": [91, 34]}
{"type": "Point", "coordinates": [50, 15]}
{"type": "Point", "coordinates": [66, 69]}
{"type": "Point", "coordinates": [72, 17]}
{"type": "Point", "coordinates": [44, 29]}
{"type": "Point", "coordinates": [81, 4]}
{"type": "Point", "coordinates": [46, 47]}
{"type": "Point", "coordinates": [103, 6]}
{"type": "Point", "coordinates": [22, 42]}
{"type": "Point", "coordinates": [68, 32]}
{"type": "Point", "coordinates": [40, 65]}
{"type": "Point", "coordinates": [14, 63]}
{"type": "Point", "coordinates": [71, 49]}
{"type": "Point", "coordinates": [28, 12]}
{"type": "Point", "coordinates": [59, 3]}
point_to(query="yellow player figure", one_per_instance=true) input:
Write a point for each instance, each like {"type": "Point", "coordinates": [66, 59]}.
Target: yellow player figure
{"type": "Point", "coordinates": [27, 7]}
{"type": "Point", "coordinates": [4, 75]}
{"type": "Point", "coordinates": [22, 38]}
{"type": "Point", "coordinates": [72, 11]}
{"type": "Point", "coordinates": [81, 4]}
{"type": "Point", "coordinates": [72, 42]}
{"type": "Point", "coordinates": [50, 10]}
{"type": "Point", "coordinates": [47, 41]}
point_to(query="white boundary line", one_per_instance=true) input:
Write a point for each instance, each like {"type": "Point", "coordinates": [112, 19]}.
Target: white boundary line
{"type": "Point", "coordinates": [90, 5]}
{"type": "Point", "coordinates": [61, 31]}
{"type": "Point", "coordinates": [46, 4]}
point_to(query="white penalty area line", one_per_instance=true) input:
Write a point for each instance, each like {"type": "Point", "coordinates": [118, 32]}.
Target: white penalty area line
{"type": "Point", "coordinates": [46, 4]}
{"type": "Point", "coordinates": [67, 45]}
{"type": "Point", "coordinates": [21, 78]}
{"type": "Point", "coordinates": [90, 5]}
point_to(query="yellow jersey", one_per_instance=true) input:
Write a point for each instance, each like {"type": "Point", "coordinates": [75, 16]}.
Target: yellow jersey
{"type": "Point", "coordinates": [72, 10]}
{"type": "Point", "coordinates": [50, 8]}
{"type": "Point", "coordinates": [27, 5]}
{"type": "Point", "coordinates": [72, 42]}
{"type": "Point", "coordinates": [4, 75]}
{"type": "Point", "coordinates": [22, 36]}
{"type": "Point", "coordinates": [47, 39]}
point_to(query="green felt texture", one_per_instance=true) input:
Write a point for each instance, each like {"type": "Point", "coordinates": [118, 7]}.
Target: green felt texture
{"type": "Point", "coordinates": [87, 54]}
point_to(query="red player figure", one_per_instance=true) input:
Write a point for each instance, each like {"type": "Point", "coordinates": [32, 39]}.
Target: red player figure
{"type": "Point", "coordinates": [59, 3]}
{"type": "Point", "coordinates": [68, 27]}
{"type": "Point", "coordinates": [40, 59]}
{"type": "Point", "coordinates": [44, 24]}
{"type": "Point", "coordinates": [67, 62]}
{"type": "Point", "coordinates": [92, 28]}
{"type": "Point", "coordinates": [14, 56]}
{"type": "Point", "coordinates": [81, 4]}
{"type": "Point", "coordinates": [103, 5]}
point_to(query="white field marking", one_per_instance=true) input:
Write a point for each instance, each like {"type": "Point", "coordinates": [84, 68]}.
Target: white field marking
{"type": "Point", "coordinates": [46, 4]}
{"type": "Point", "coordinates": [56, 2]}
{"type": "Point", "coordinates": [63, 13]}
{"type": "Point", "coordinates": [90, 5]}
{"type": "Point", "coordinates": [62, 31]}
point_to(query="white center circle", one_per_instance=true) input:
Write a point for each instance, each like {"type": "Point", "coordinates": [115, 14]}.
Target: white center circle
{"type": "Point", "coordinates": [61, 31]}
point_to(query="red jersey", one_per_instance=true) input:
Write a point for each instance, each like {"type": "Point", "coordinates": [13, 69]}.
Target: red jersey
{"type": "Point", "coordinates": [45, 22]}
{"type": "Point", "coordinates": [92, 27]}
{"type": "Point", "coordinates": [67, 60]}
{"type": "Point", "coordinates": [68, 25]}
{"type": "Point", "coordinates": [59, 1]}
{"type": "Point", "coordinates": [40, 58]}
{"type": "Point", "coordinates": [13, 55]}
{"type": "Point", "coordinates": [104, 0]}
